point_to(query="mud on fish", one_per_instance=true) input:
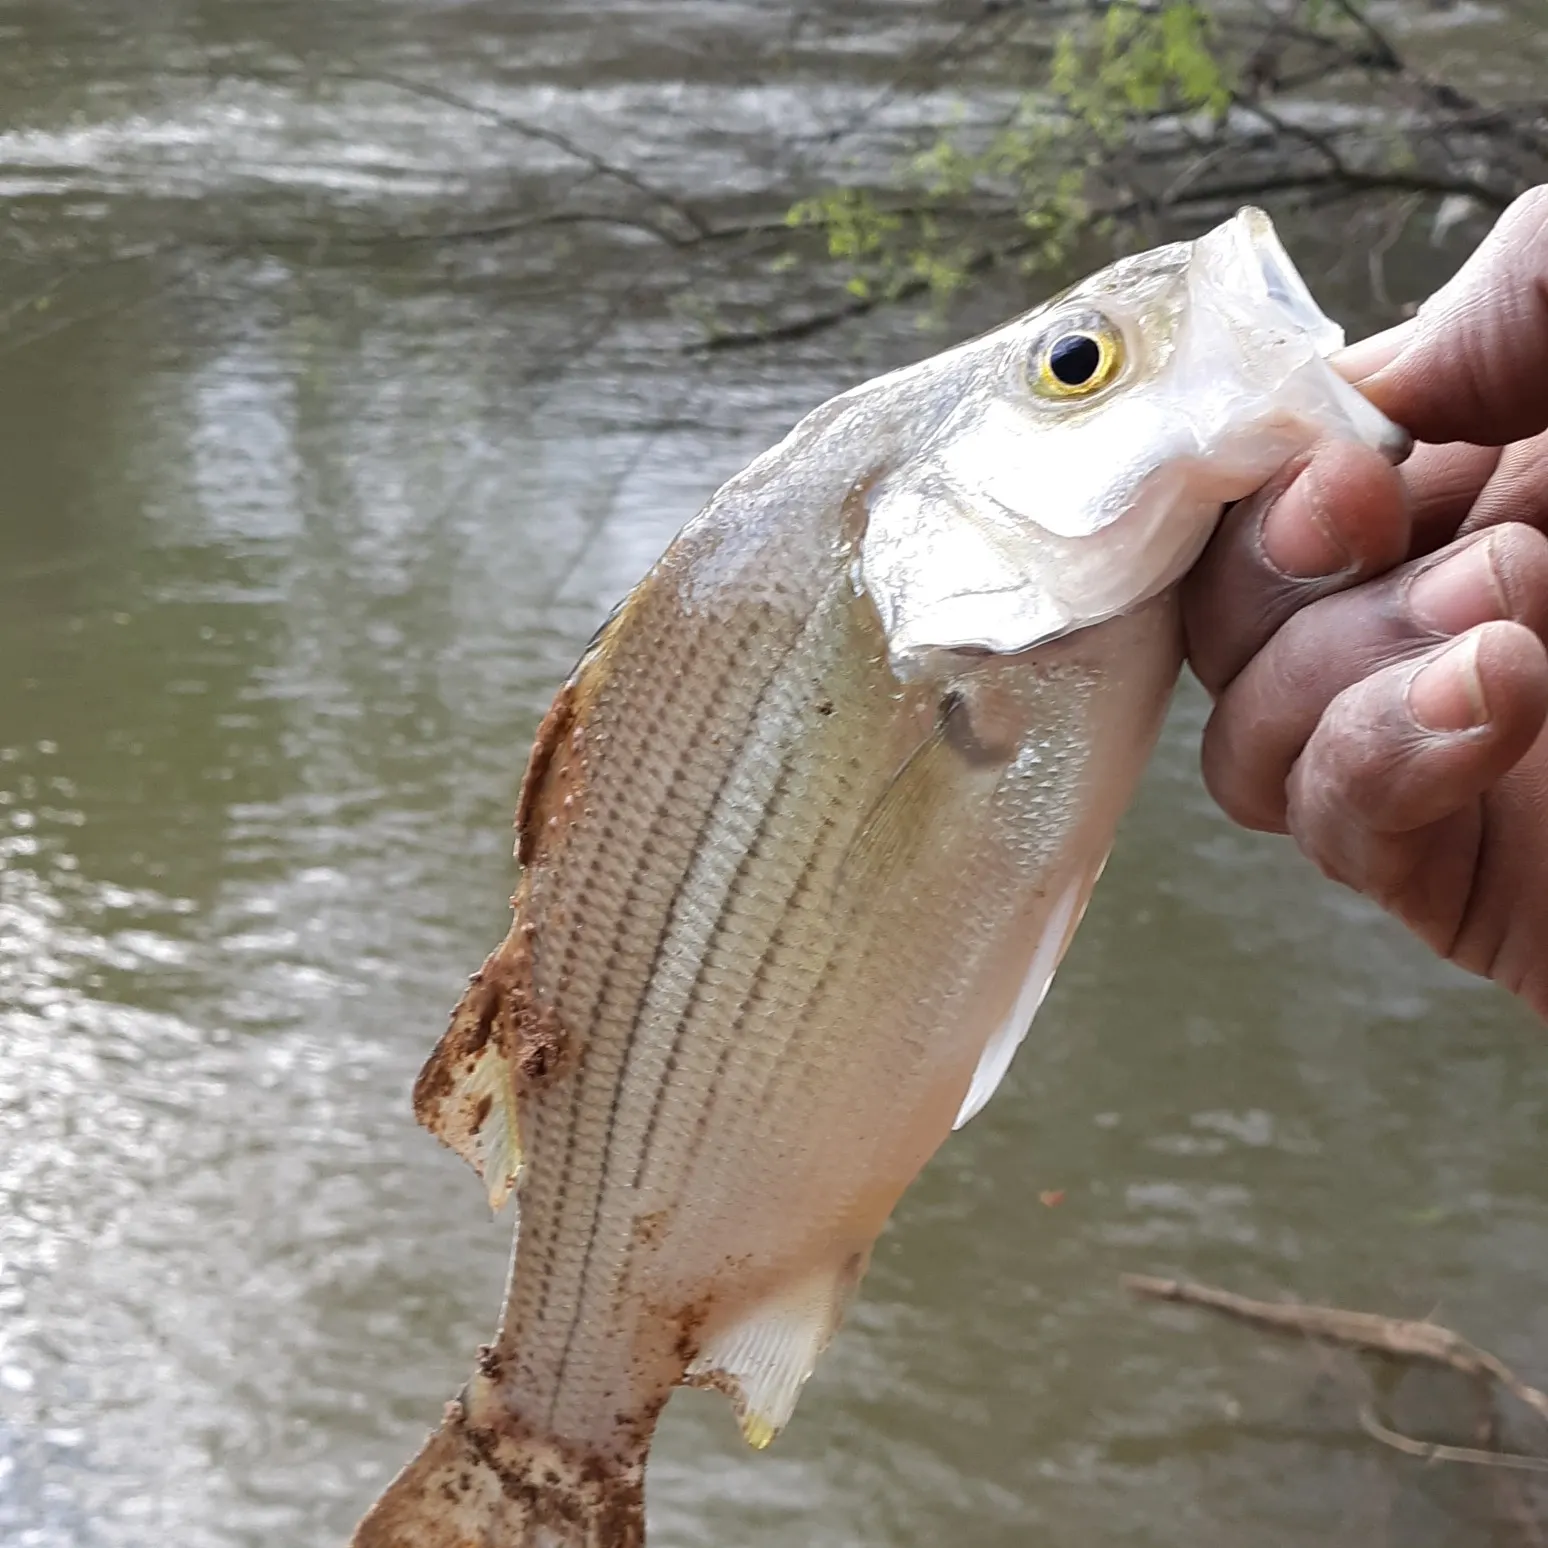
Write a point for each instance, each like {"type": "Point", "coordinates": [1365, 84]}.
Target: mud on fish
{"type": "Point", "coordinates": [802, 842]}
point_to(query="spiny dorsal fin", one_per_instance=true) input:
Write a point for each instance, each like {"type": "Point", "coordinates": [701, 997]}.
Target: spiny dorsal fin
{"type": "Point", "coordinates": [501, 1038]}
{"type": "Point", "coordinates": [466, 1093]}
{"type": "Point", "coordinates": [762, 1360]}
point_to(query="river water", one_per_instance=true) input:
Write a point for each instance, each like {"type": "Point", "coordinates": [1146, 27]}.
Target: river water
{"type": "Point", "coordinates": [304, 512]}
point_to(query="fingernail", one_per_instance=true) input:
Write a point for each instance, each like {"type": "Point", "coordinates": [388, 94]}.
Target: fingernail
{"type": "Point", "coordinates": [1298, 538]}
{"type": "Point", "coordinates": [1358, 361]}
{"type": "Point", "coordinates": [1459, 593]}
{"type": "Point", "coordinates": [1447, 694]}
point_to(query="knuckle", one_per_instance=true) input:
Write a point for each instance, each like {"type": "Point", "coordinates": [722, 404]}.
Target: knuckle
{"type": "Point", "coordinates": [1325, 813]}
{"type": "Point", "coordinates": [1359, 751]}
{"type": "Point", "coordinates": [1323, 648]}
{"type": "Point", "coordinates": [1528, 215]}
{"type": "Point", "coordinates": [1237, 782]}
{"type": "Point", "coordinates": [1354, 760]}
{"type": "Point", "coordinates": [1519, 554]}
{"type": "Point", "coordinates": [1316, 821]}
{"type": "Point", "coordinates": [1291, 667]}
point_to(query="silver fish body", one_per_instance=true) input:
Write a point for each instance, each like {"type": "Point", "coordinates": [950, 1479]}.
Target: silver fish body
{"type": "Point", "coordinates": [803, 841]}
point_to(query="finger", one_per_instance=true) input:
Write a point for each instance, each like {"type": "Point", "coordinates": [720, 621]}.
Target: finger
{"type": "Point", "coordinates": [1331, 521]}
{"type": "Point", "coordinates": [1264, 718]}
{"type": "Point", "coordinates": [1365, 357]}
{"type": "Point", "coordinates": [1517, 488]}
{"type": "Point", "coordinates": [1385, 796]}
{"type": "Point", "coordinates": [1470, 366]}
{"type": "Point", "coordinates": [1444, 483]}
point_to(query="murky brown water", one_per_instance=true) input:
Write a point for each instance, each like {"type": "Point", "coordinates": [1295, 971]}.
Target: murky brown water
{"type": "Point", "coordinates": [302, 518]}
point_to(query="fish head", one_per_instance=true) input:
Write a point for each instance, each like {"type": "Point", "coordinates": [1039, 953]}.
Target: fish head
{"type": "Point", "coordinates": [1086, 450]}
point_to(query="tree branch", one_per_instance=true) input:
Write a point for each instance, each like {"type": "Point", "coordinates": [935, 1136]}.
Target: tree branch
{"type": "Point", "coordinates": [1341, 185]}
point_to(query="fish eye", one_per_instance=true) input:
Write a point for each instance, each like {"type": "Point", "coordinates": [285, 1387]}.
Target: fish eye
{"type": "Point", "coordinates": [1076, 358]}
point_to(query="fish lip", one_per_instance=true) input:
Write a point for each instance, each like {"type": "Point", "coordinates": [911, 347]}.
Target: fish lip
{"type": "Point", "coordinates": [1242, 264]}
{"type": "Point", "coordinates": [1245, 256]}
{"type": "Point", "coordinates": [1282, 281]}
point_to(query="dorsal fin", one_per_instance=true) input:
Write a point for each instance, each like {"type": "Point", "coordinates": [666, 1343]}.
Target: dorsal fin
{"type": "Point", "coordinates": [501, 1036]}
{"type": "Point", "coordinates": [466, 1093]}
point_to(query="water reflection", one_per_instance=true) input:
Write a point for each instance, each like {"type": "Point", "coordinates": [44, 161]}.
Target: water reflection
{"type": "Point", "coordinates": [294, 545]}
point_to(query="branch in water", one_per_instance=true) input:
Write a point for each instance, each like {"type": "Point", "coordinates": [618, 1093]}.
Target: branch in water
{"type": "Point", "coordinates": [1433, 1451]}
{"type": "Point", "coordinates": [1396, 1337]}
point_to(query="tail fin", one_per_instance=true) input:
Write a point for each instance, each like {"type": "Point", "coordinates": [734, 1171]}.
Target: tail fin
{"type": "Point", "coordinates": [476, 1487]}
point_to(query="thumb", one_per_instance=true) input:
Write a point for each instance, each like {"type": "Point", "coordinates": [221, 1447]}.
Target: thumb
{"type": "Point", "coordinates": [1473, 365]}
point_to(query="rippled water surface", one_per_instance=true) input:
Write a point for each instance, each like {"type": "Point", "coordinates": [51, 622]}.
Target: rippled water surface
{"type": "Point", "coordinates": [305, 508]}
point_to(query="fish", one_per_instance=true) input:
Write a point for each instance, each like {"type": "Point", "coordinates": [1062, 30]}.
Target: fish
{"type": "Point", "coordinates": [802, 841]}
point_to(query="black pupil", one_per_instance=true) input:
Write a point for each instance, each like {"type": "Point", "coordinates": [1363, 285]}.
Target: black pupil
{"type": "Point", "coordinates": [1074, 359]}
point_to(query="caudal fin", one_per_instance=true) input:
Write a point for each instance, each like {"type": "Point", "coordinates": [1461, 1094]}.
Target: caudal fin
{"type": "Point", "coordinates": [496, 1487]}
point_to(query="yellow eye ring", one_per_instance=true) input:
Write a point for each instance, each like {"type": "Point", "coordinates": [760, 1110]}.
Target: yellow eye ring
{"type": "Point", "coordinates": [1076, 360]}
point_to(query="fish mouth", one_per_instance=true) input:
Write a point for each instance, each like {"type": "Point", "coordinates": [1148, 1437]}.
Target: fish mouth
{"type": "Point", "coordinates": [1282, 281]}
{"type": "Point", "coordinates": [1245, 253]}
{"type": "Point", "coordinates": [1290, 295]}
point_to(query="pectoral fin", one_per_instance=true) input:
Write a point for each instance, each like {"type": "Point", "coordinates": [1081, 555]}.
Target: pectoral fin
{"type": "Point", "coordinates": [911, 816]}
{"type": "Point", "coordinates": [1058, 931]}
{"type": "Point", "coordinates": [898, 826]}
{"type": "Point", "coordinates": [762, 1361]}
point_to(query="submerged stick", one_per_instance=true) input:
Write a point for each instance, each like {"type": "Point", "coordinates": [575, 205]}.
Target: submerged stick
{"type": "Point", "coordinates": [1435, 1451]}
{"type": "Point", "coordinates": [1397, 1337]}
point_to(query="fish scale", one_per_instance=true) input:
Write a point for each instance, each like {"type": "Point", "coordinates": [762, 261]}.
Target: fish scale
{"type": "Point", "coordinates": [734, 803]}
{"type": "Point", "coordinates": [640, 934]}
{"type": "Point", "coordinates": [803, 841]}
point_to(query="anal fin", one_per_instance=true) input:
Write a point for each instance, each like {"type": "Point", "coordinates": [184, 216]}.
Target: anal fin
{"type": "Point", "coordinates": [762, 1360]}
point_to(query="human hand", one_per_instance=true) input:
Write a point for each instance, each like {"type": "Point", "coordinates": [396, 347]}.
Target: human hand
{"type": "Point", "coordinates": [1373, 639]}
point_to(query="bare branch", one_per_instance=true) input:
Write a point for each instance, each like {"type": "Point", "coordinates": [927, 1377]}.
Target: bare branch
{"type": "Point", "coordinates": [1384, 54]}
{"type": "Point", "coordinates": [1328, 186]}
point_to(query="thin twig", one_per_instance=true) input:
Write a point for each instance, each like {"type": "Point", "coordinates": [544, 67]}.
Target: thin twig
{"type": "Point", "coordinates": [531, 131]}
{"type": "Point", "coordinates": [1190, 201]}
{"type": "Point", "coordinates": [1376, 259]}
{"type": "Point", "coordinates": [1286, 128]}
{"type": "Point", "coordinates": [1386, 55]}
